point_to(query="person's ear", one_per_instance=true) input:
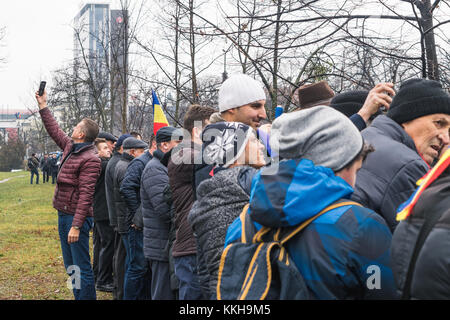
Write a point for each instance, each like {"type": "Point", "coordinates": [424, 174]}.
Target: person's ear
{"type": "Point", "coordinates": [196, 133]}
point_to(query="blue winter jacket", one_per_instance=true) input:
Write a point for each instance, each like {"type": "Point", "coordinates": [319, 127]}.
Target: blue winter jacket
{"type": "Point", "coordinates": [131, 185]}
{"type": "Point", "coordinates": [343, 254]}
{"type": "Point", "coordinates": [155, 210]}
{"type": "Point", "coordinates": [388, 176]}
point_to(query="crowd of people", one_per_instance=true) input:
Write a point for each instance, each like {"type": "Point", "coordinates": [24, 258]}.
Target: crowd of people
{"type": "Point", "coordinates": [48, 164]}
{"type": "Point", "coordinates": [352, 190]}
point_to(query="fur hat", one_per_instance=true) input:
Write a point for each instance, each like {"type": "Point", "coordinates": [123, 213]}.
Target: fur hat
{"type": "Point", "coordinates": [314, 94]}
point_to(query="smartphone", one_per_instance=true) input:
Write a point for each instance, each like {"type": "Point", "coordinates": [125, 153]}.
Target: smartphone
{"type": "Point", "coordinates": [42, 87]}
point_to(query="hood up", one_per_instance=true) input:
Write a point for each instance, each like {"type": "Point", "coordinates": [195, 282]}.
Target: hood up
{"type": "Point", "coordinates": [292, 191]}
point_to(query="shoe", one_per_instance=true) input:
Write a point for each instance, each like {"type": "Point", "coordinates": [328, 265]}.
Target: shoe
{"type": "Point", "coordinates": [109, 287]}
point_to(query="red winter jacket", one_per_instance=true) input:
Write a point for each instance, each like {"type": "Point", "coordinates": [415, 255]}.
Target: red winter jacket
{"type": "Point", "coordinates": [75, 184]}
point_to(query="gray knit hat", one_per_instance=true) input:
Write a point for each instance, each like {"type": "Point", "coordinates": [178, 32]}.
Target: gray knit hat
{"type": "Point", "coordinates": [320, 134]}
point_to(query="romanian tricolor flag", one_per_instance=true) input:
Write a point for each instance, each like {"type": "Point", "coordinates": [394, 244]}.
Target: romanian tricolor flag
{"type": "Point", "coordinates": [405, 209]}
{"type": "Point", "coordinates": [159, 118]}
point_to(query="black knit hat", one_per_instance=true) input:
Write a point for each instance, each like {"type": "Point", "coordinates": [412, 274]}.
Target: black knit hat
{"type": "Point", "coordinates": [349, 102]}
{"type": "Point", "coordinates": [224, 142]}
{"type": "Point", "coordinates": [417, 98]}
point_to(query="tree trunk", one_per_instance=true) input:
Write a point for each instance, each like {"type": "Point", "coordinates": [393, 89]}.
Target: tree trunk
{"type": "Point", "coordinates": [426, 13]}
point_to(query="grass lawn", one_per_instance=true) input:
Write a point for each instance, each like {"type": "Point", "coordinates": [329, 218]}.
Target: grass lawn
{"type": "Point", "coordinates": [31, 263]}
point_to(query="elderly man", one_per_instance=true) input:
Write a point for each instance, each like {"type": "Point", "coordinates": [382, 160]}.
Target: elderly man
{"type": "Point", "coordinates": [407, 141]}
{"type": "Point", "coordinates": [132, 148]}
{"type": "Point", "coordinates": [119, 249]}
{"type": "Point", "coordinates": [74, 194]}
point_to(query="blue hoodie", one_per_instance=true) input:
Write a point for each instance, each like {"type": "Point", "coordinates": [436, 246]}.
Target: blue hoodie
{"type": "Point", "coordinates": [343, 254]}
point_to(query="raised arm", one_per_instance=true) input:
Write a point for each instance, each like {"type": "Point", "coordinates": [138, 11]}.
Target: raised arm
{"type": "Point", "coordinates": [52, 127]}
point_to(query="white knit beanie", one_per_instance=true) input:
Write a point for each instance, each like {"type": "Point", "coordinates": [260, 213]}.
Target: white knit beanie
{"type": "Point", "coordinates": [239, 90]}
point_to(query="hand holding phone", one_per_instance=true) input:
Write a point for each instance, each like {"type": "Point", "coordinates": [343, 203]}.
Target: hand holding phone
{"type": "Point", "coordinates": [41, 98]}
{"type": "Point", "coordinates": [41, 88]}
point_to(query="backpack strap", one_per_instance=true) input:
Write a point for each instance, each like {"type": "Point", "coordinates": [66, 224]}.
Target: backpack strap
{"type": "Point", "coordinates": [307, 222]}
{"type": "Point", "coordinates": [248, 229]}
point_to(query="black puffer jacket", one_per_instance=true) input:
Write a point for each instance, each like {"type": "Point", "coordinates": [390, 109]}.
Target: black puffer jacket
{"type": "Point", "coordinates": [431, 277]}
{"type": "Point", "coordinates": [388, 176]}
{"type": "Point", "coordinates": [155, 209]}
{"type": "Point", "coordinates": [109, 187]}
{"type": "Point", "coordinates": [100, 205]}
{"type": "Point", "coordinates": [123, 222]}
{"type": "Point", "coordinates": [220, 200]}
{"type": "Point", "coordinates": [131, 186]}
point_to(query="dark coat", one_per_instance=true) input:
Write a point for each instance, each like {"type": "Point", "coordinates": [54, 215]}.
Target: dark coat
{"type": "Point", "coordinates": [53, 166]}
{"type": "Point", "coordinates": [80, 169]}
{"type": "Point", "coordinates": [33, 163]}
{"type": "Point", "coordinates": [109, 187]}
{"type": "Point", "coordinates": [220, 200]}
{"type": "Point", "coordinates": [99, 205]}
{"type": "Point", "coordinates": [155, 209]}
{"type": "Point", "coordinates": [388, 176]}
{"type": "Point", "coordinates": [45, 166]}
{"type": "Point", "coordinates": [130, 189]}
{"type": "Point", "coordinates": [181, 180]}
{"type": "Point", "coordinates": [431, 277]}
{"type": "Point", "coordinates": [123, 224]}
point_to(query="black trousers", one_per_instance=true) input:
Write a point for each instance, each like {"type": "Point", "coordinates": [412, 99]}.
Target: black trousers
{"type": "Point", "coordinates": [104, 237]}
{"type": "Point", "coordinates": [96, 250]}
{"type": "Point", "coordinates": [160, 283]}
{"type": "Point", "coordinates": [45, 175]}
{"type": "Point", "coordinates": [120, 255]}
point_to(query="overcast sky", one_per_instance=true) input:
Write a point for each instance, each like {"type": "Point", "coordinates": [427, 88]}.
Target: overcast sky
{"type": "Point", "coordinates": [39, 39]}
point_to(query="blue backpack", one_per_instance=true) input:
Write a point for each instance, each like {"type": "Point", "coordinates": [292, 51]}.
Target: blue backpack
{"type": "Point", "coordinates": [258, 266]}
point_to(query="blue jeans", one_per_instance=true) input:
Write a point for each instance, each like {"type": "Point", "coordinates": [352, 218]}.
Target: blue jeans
{"type": "Point", "coordinates": [137, 278]}
{"type": "Point", "coordinates": [34, 172]}
{"type": "Point", "coordinates": [76, 257]}
{"type": "Point", "coordinates": [186, 272]}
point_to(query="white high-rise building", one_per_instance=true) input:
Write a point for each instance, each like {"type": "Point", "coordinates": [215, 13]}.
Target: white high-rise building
{"type": "Point", "coordinates": [91, 36]}
{"type": "Point", "coordinates": [101, 43]}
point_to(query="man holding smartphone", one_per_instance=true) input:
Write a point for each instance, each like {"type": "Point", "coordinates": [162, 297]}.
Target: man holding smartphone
{"type": "Point", "coordinates": [74, 194]}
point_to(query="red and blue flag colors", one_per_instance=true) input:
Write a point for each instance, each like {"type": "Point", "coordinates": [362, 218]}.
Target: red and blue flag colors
{"type": "Point", "coordinates": [405, 209]}
{"type": "Point", "coordinates": [159, 118]}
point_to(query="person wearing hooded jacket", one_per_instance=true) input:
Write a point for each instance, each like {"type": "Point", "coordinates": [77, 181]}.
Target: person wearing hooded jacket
{"type": "Point", "coordinates": [343, 254]}
{"type": "Point", "coordinates": [138, 279]}
{"type": "Point", "coordinates": [235, 152]}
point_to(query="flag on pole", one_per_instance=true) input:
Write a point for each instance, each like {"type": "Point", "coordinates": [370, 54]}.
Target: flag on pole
{"type": "Point", "coordinates": [159, 118]}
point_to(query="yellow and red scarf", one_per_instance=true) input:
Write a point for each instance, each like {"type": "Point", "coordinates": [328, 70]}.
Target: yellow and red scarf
{"type": "Point", "coordinates": [405, 209]}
